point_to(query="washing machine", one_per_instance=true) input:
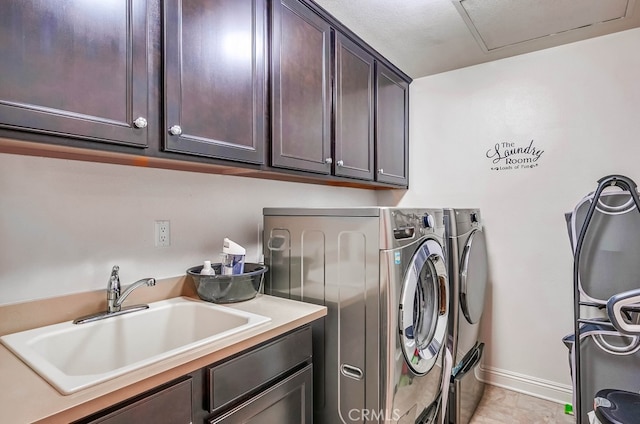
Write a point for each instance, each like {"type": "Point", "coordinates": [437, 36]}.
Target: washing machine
{"type": "Point", "coordinates": [413, 271]}
{"type": "Point", "coordinates": [468, 271]}
{"type": "Point", "coordinates": [379, 354]}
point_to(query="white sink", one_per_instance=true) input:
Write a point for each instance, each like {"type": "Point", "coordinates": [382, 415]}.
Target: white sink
{"type": "Point", "coordinates": [73, 357]}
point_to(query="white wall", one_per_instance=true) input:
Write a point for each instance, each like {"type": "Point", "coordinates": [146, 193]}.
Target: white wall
{"type": "Point", "coordinates": [580, 104]}
{"type": "Point", "coordinates": [64, 224]}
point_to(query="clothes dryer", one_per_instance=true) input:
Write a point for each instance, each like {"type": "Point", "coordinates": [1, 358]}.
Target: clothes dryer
{"type": "Point", "coordinates": [468, 280]}
{"type": "Point", "coordinates": [379, 354]}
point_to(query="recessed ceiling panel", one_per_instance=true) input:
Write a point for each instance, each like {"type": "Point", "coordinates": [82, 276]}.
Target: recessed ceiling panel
{"type": "Point", "coordinates": [501, 23]}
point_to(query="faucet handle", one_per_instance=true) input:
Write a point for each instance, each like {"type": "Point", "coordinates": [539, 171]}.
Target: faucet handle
{"type": "Point", "coordinates": [114, 279]}
{"type": "Point", "coordinates": [114, 271]}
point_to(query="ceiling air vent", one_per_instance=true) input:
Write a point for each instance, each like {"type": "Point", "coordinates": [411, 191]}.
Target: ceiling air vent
{"type": "Point", "coordinates": [497, 24]}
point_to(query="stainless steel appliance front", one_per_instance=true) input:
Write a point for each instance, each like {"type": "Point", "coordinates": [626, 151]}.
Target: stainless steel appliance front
{"type": "Point", "coordinates": [382, 275]}
{"type": "Point", "coordinates": [468, 272]}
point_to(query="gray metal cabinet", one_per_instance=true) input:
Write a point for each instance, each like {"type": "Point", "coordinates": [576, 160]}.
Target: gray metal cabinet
{"type": "Point", "coordinates": [215, 78]}
{"type": "Point", "coordinates": [315, 263]}
{"type": "Point", "coordinates": [75, 68]}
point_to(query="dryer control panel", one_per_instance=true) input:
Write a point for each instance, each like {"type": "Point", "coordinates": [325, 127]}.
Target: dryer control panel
{"type": "Point", "coordinates": [406, 225]}
{"type": "Point", "coordinates": [427, 221]}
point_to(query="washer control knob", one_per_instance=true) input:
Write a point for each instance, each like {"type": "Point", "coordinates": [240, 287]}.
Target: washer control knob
{"type": "Point", "coordinates": [427, 221]}
{"type": "Point", "coordinates": [474, 217]}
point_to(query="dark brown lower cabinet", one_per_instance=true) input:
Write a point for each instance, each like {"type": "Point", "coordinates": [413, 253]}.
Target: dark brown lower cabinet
{"type": "Point", "coordinates": [167, 405]}
{"type": "Point", "coordinates": [288, 402]}
{"type": "Point", "coordinates": [270, 383]}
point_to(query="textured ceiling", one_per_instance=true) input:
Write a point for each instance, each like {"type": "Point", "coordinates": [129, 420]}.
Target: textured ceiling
{"type": "Point", "coordinates": [425, 37]}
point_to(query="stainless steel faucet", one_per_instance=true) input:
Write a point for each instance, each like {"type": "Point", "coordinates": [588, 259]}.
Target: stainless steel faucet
{"type": "Point", "coordinates": [115, 298]}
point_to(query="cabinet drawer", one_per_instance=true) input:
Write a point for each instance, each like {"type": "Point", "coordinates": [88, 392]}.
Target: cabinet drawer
{"type": "Point", "coordinates": [288, 402]}
{"type": "Point", "coordinates": [249, 372]}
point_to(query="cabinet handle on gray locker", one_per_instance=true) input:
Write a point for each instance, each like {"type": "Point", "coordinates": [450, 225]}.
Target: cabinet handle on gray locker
{"type": "Point", "coordinates": [380, 171]}
{"type": "Point", "coordinates": [328, 161]}
{"type": "Point", "coordinates": [175, 130]}
{"type": "Point", "coordinates": [351, 372]}
{"type": "Point", "coordinates": [340, 163]}
{"type": "Point", "coordinates": [140, 122]}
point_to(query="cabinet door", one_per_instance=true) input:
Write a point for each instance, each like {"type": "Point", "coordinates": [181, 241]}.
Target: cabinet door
{"type": "Point", "coordinates": [354, 73]}
{"type": "Point", "coordinates": [214, 61]}
{"type": "Point", "coordinates": [288, 402]}
{"type": "Point", "coordinates": [301, 88]}
{"type": "Point", "coordinates": [392, 127]}
{"type": "Point", "coordinates": [169, 405]}
{"type": "Point", "coordinates": [75, 68]}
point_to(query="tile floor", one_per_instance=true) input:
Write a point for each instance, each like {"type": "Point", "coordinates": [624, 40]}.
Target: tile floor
{"type": "Point", "coordinates": [501, 406]}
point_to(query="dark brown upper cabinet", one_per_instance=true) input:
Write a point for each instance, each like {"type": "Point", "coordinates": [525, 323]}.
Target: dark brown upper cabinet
{"type": "Point", "coordinates": [274, 88]}
{"type": "Point", "coordinates": [353, 110]}
{"type": "Point", "coordinates": [391, 127]}
{"type": "Point", "coordinates": [215, 78]}
{"type": "Point", "coordinates": [300, 88]}
{"type": "Point", "coordinates": [75, 68]}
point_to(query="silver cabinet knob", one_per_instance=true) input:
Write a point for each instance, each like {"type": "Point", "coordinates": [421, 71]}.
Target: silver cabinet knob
{"type": "Point", "coordinates": [340, 163]}
{"type": "Point", "coordinates": [140, 122]}
{"type": "Point", "coordinates": [328, 161]}
{"type": "Point", "coordinates": [380, 171]}
{"type": "Point", "coordinates": [175, 130]}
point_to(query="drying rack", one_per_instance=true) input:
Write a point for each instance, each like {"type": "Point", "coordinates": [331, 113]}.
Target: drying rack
{"type": "Point", "coordinates": [618, 307]}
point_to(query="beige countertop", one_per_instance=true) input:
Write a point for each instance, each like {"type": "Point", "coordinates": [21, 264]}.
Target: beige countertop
{"type": "Point", "coordinates": [26, 397]}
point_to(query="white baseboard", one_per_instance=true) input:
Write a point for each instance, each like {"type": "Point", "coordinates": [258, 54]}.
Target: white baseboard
{"type": "Point", "coordinates": [532, 386]}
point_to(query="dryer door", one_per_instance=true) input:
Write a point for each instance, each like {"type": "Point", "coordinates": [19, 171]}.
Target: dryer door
{"type": "Point", "coordinates": [473, 277]}
{"type": "Point", "coordinates": [423, 311]}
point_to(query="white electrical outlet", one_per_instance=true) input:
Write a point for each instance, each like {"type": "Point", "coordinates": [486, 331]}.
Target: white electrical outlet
{"type": "Point", "coordinates": [163, 234]}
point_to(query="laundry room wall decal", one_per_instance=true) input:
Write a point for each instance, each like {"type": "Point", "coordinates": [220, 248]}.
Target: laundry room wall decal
{"type": "Point", "coordinates": [507, 156]}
